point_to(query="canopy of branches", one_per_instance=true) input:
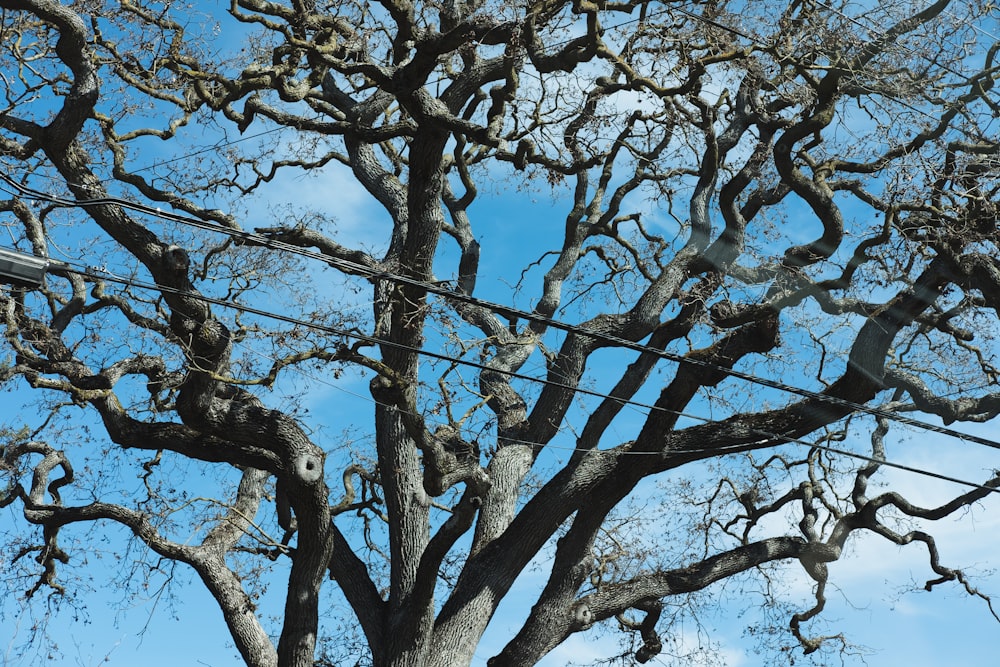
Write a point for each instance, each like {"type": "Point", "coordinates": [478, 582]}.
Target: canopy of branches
{"type": "Point", "coordinates": [637, 290]}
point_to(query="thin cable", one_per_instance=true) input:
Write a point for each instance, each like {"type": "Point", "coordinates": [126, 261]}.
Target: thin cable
{"type": "Point", "coordinates": [499, 309]}
{"type": "Point", "coordinates": [976, 28]}
{"type": "Point", "coordinates": [503, 310]}
{"type": "Point", "coordinates": [213, 147]}
{"type": "Point", "coordinates": [868, 89]}
{"type": "Point", "coordinates": [715, 24]}
{"type": "Point", "coordinates": [752, 39]}
{"type": "Point", "coordinates": [95, 273]}
{"type": "Point", "coordinates": [873, 30]}
{"type": "Point", "coordinates": [757, 43]}
{"type": "Point", "coordinates": [104, 275]}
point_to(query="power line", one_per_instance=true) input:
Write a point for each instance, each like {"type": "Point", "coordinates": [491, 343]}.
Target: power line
{"type": "Point", "coordinates": [975, 27]}
{"type": "Point", "coordinates": [759, 44]}
{"type": "Point", "coordinates": [693, 15]}
{"type": "Point", "coordinates": [873, 30]}
{"type": "Point", "coordinates": [373, 274]}
{"type": "Point", "coordinates": [374, 340]}
{"type": "Point", "coordinates": [99, 274]}
{"type": "Point", "coordinates": [787, 440]}
{"type": "Point", "coordinates": [506, 311]}
{"type": "Point", "coordinates": [214, 147]}
{"type": "Point", "coordinates": [716, 24]}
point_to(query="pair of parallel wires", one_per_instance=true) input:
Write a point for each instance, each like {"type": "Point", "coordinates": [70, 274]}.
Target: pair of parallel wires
{"type": "Point", "coordinates": [374, 274]}
{"type": "Point", "coordinates": [438, 289]}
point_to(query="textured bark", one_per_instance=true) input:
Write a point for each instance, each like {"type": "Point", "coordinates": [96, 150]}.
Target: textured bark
{"type": "Point", "coordinates": [743, 274]}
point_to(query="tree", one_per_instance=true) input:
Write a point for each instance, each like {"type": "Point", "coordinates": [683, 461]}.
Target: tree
{"type": "Point", "coordinates": [777, 231]}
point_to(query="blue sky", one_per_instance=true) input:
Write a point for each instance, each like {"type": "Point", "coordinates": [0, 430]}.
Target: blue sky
{"type": "Point", "coordinates": [867, 600]}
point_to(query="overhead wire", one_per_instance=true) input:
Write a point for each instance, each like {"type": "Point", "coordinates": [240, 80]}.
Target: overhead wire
{"type": "Point", "coordinates": [214, 147]}
{"type": "Point", "coordinates": [874, 30]}
{"type": "Point", "coordinates": [436, 288]}
{"type": "Point", "coordinates": [757, 42]}
{"type": "Point", "coordinates": [785, 439]}
{"type": "Point", "coordinates": [97, 274]}
{"type": "Point", "coordinates": [673, 8]}
{"type": "Point", "coordinates": [990, 7]}
{"type": "Point", "coordinates": [440, 289]}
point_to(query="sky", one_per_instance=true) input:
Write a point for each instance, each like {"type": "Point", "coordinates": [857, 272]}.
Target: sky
{"type": "Point", "coordinates": [868, 601]}
{"type": "Point", "coordinates": [875, 597]}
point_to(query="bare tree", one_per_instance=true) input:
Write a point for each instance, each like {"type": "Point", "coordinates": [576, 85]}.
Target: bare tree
{"type": "Point", "coordinates": [778, 231]}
